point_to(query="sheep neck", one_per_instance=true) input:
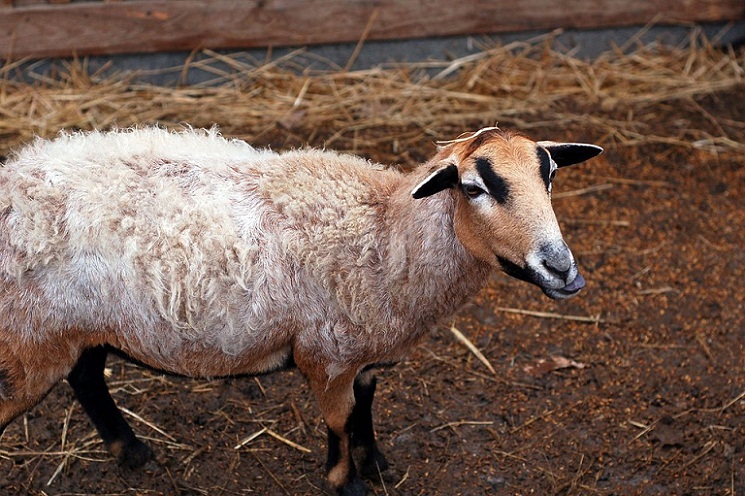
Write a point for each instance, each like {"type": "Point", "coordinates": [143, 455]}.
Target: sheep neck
{"type": "Point", "coordinates": [431, 274]}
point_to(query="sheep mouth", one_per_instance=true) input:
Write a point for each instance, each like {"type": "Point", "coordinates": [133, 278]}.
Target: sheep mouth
{"type": "Point", "coordinates": [571, 289]}
{"type": "Point", "coordinates": [527, 274]}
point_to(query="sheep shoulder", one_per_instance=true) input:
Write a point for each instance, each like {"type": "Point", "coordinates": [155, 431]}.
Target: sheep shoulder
{"type": "Point", "coordinates": [331, 211]}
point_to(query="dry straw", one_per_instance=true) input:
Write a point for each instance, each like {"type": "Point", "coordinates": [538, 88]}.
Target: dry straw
{"type": "Point", "coordinates": [523, 84]}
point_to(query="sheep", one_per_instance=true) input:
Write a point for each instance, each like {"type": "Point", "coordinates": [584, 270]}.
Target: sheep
{"type": "Point", "coordinates": [197, 255]}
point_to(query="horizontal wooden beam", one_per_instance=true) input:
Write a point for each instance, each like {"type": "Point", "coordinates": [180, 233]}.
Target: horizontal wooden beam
{"type": "Point", "coordinates": [150, 26]}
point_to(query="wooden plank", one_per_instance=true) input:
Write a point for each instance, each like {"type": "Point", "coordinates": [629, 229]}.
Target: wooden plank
{"type": "Point", "coordinates": [150, 25]}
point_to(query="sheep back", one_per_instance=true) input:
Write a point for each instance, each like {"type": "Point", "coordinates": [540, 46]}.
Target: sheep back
{"type": "Point", "coordinates": [189, 239]}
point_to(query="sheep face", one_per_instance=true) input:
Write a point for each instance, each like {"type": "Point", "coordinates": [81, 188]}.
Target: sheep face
{"type": "Point", "coordinates": [503, 214]}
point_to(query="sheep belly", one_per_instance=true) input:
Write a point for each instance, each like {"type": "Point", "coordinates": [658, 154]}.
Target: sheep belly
{"type": "Point", "coordinates": [197, 360]}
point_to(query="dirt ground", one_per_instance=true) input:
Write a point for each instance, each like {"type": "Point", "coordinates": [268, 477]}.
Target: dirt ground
{"type": "Point", "coordinates": [636, 387]}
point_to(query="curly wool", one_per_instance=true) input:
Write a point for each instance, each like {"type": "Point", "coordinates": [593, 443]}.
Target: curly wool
{"type": "Point", "coordinates": [188, 241]}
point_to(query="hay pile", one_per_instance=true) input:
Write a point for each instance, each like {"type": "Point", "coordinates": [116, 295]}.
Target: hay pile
{"type": "Point", "coordinates": [525, 85]}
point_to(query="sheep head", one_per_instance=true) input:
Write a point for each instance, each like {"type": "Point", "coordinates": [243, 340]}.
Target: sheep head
{"type": "Point", "coordinates": [501, 183]}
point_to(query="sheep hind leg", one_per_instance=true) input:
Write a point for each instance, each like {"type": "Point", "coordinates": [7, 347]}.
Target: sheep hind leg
{"type": "Point", "coordinates": [26, 377]}
{"type": "Point", "coordinates": [88, 383]}
{"type": "Point", "coordinates": [373, 462]}
{"type": "Point", "coordinates": [13, 400]}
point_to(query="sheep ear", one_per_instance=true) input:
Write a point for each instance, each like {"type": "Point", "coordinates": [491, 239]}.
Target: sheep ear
{"type": "Point", "coordinates": [441, 179]}
{"type": "Point", "coordinates": [565, 154]}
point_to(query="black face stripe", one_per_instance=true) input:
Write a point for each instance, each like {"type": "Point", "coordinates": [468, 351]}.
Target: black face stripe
{"type": "Point", "coordinates": [514, 270]}
{"type": "Point", "coordinates": [497, 186]}
{"type": "Point", "coordinates": [545, 160]}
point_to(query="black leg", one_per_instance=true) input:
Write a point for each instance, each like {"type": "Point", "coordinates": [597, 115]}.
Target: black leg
{"type": "Point", "coordinates": [87, 380]}
{"type": "Point", "coordinates": [353, 487]}
{"type": "Point", "coordinates": [363, 435]}
{"type": "Point", "coordinates": [334, 450]}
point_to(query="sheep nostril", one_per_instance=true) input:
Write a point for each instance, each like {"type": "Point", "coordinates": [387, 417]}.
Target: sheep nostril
{"type": "Point", "coordinates": [558, 269]}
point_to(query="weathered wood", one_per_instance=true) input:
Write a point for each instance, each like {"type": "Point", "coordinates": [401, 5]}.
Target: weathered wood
{"type": "Point", "coordinates": [148, 25]}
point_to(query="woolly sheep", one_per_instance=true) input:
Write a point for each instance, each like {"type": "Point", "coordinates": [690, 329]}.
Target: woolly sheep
{"type": "Point", "coordinates": [203, 256]}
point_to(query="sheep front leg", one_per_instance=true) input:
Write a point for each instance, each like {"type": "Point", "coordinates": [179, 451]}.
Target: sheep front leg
{"type": "Point", "coordinates": [88, 383]}
{"type": "Point", "coordinates": [363, 434]}
{"type": "Point", "coordinates": [336, 401]}
{"type": "Point", "coordinates": [337, 404]}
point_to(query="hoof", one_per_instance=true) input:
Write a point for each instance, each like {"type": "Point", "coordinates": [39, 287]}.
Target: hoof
{"type": "Point", "coordinates": [373, 465]}
{"type": "Point", "coordinates": [355, 487]}
{"type": "Point", "coordinates": [132, 455]}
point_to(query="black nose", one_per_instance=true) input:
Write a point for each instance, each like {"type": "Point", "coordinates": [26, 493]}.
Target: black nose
{"type": "Point", "coordinates": [557, 269]}
{"type": "Point", "coordinates": [557, 259]}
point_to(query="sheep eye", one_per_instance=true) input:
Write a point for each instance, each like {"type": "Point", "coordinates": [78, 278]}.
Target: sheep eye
{"type": "Point", "coordinates": [472, 190]}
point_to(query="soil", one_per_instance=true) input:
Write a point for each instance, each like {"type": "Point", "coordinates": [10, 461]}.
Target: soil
{"type": "Point", "coordinates": [644, 395]}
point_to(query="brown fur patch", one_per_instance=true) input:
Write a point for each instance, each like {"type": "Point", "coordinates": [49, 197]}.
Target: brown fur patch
{"type": "Point", "coordinates": [34, 367]}
{"type": "Point", "coordinates": [479, 140]}
{"type": "Point", "coordinates": [6, 388]}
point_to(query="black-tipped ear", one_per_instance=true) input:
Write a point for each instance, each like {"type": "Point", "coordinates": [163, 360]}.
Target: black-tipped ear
{"type": "Point", "coordinates": [565, 154]}
{"type": "Point", "coordinates": [441, 179]}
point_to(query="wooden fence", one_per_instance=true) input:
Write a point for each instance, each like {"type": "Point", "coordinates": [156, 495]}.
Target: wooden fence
{"type": "Point", "coordinates": [42, 28]}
